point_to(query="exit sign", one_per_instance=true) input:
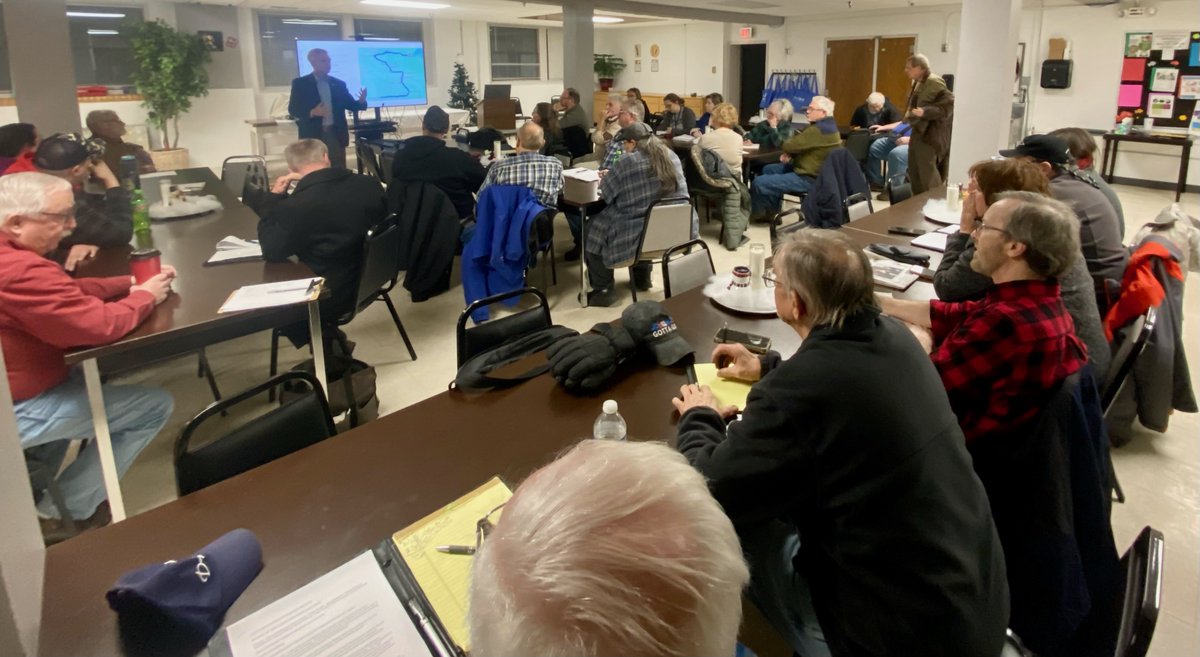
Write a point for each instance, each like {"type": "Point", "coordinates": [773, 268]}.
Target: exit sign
{"type": "Point", "coordinates": [746, 33]}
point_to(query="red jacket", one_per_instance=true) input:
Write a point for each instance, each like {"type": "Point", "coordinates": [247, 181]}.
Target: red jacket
{"type": "Point", "coordinates": [23, 164]}
{"type": "Point", "coordinates": [1140, 289]}
{"type": "Point", "coordinates": [44, 313]}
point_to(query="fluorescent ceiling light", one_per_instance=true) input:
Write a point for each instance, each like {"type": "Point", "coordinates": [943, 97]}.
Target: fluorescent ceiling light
{"type": "Point", "coordinates": [93, 14]}
{"type": "Point", "coordinates": [102, 32]}
{"type": "Point", "coordinates": [309, 21]}
{"type": "Point", "coordinates": [406, 4]}
{"type": "Point", "coordinates": [607, 19]}
{"type": "Point", "coordinates": [375, 38]}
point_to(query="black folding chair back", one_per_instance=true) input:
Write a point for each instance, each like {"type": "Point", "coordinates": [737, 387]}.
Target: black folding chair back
{"type": "Point", "coordinates": [858, 206]}
{"type": "Point", "coordinates": [1133, 343]}
{"type": "Point", "coordinates": [577, 141]}
{"type": "Point", "coordinates": [478, 339]}
{"type": "Point", "coordinates": [368, 159]}
{"type": "Point", "coordinates": [859, 143]}
{"type": "Point", "coordinates": [1143, 568]}
{"type": "Point", "coordinates": [686, 266]}
{"type": "Point", "coordinates": [302, 421]}
{"type": "Point", "coordinates": [235, 169]}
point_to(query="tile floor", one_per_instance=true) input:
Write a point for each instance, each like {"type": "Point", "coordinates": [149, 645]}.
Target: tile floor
{"type": "Point", "coordinates": [1160, 472]}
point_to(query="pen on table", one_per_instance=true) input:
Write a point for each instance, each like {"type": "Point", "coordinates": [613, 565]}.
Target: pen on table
{"type": "Point", "coordinates": [431, 635]}
{"type": "Point", "coordinates": [456, 549]}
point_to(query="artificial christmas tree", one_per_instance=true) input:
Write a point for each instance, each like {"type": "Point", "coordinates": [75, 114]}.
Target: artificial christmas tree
{"type": "Point", "coordinates": [462, 91]}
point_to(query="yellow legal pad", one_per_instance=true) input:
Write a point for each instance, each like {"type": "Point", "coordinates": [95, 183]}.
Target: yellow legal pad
{"type": "Point", "coordinates": [727, 392]}
{"type": "Point", "coordinates": [444, 578]}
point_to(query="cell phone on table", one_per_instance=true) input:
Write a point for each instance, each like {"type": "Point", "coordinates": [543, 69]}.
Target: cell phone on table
{"type": "Point", "coordinates": [905, 230]}
{"type": "Point", "coordinates": [756, 344]}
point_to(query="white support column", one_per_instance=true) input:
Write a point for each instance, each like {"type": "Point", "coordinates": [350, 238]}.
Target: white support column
{"type": "Point", "coordinates": [38, 42]}
{"type": "Point", "coordinates": [578, 45]}
{"type": "Point", "coordinates": [987, 56]}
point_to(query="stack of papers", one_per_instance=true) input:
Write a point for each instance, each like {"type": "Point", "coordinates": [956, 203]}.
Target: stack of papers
{"type": "Point", "coordinates": [235, 249]}
{"type": "Point", "coordinates": [935, 241]}
{"type": "Point", "coordinates": [725, 390]}
{"type": "Point", "coordinates": [889, 273]}
{"type": "Point", "coordinates": [269, 295]}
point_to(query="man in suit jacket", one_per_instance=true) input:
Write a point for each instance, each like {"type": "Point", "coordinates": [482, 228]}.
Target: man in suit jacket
{"type": "Point", "coordinates": [323, 222]}
{"type": "Point", "coordinates": [319, 103]}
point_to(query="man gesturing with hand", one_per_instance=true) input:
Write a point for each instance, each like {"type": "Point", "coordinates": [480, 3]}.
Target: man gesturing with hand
{"type": "Point", "coordinates": [846, 456]}
{"type": "Point", "coordinates": [319, 103]}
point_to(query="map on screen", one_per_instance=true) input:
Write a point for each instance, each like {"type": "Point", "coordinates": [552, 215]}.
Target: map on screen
{"type": "Point", "coordinates": [393, 72]}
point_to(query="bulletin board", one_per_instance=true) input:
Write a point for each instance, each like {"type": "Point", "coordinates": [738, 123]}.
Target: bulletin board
{"type": "Point", "coordinates": [1160, 76]}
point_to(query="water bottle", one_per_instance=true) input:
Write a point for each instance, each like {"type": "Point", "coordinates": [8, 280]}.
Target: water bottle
{"type": "Point", "coordinates": [141, 216]}
{"type": "Point", "coordinates": [610, 425]}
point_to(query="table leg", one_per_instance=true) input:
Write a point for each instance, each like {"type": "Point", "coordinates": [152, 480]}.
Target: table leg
{"type": "Point", "coordinates": [583, 256]}
{"type": "Point", "coordinates": [318, 346]}
{"type": "Point", "coordinates": [1183, 169]}
{"type": "Point", "coordinates": [1112, 162]}
{"type": "Point", "coordinates": [108, 462]}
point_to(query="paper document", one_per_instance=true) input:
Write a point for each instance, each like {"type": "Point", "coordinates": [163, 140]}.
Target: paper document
{"type": "Point", "coordinates": [269, 295]}
{"type": "Point", "coordinates": [444, 578]}
{"type": "Point", "coordinates": [580, 173]}
{"type": "Point", "coordinates": [351, 610]}
{"type": "Point", "coordinates": [235, 249]}
{"type": "Point", "coordinates": [891, 273]}
{"type": "Point", "coordinates": [727, 392]}
{"type": "Point", "coordinates": [935, 241]}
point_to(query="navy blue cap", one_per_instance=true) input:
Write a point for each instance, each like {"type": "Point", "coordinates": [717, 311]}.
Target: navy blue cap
{"type": "Point", "coordinates": [194, 592]}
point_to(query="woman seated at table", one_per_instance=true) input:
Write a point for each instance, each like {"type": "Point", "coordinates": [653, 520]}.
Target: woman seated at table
{"type": "Point", "coordinates": [722, 139]}
{"type": "Point", "coordinates": [776, 128]}
{"type": "Point", "coordinates": [545, 116]}
{"type": "Point", "coordinates": [677, 119]}
{"type": "Point", "coordinates": [710, 103]}
{"type": "Point", "coordinates": [648, 172]}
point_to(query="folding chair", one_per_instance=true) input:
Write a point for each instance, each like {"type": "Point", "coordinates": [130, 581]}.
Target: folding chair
{"type": "Point", "coordinates": [686, 266]}
{"type": "Point", "coordinates": [301, 421]}
{"type": "Point", "coordinates": [477, 339]}
{"type": "Point", "coordinates": [1143, 567]}
{"type": "Point", "coordinates": [1132, 343]}
{"type": "Point", "coordinates": [668, 223]}
{"type": "Point", "coordinates": [237, 168]}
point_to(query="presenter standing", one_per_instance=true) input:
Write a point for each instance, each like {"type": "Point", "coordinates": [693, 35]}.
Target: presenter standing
{"type": "Point", "coordinates": [319, 103]}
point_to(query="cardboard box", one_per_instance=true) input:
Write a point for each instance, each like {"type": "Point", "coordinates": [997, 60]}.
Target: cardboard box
{"type": "Point", "coordinates": [581, 185]}
{"type": "Point", "coordinates": [1059, 49]}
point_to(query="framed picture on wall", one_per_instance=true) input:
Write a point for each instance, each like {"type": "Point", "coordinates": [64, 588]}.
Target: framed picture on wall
{"type": "Point", "coordinates": [654, 66]}
{"type": "Point", "coordinates": [1020, 68]}
{"type": "Point", "coordinates": [637, 66]}
{"type": "Point", "coordinates": [213, 41]}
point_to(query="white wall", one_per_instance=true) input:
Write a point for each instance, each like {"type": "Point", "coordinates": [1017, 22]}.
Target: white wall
{"type": "Point", "coordinates": [690, 61]}
{"type": "Point", "coordinates": [1097, 38]}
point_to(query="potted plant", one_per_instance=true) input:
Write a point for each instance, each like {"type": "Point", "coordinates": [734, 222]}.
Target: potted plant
{"type": "Point", "coordinates": [606, 68]}
{"type": "Point", "coordinates": [170, 72]}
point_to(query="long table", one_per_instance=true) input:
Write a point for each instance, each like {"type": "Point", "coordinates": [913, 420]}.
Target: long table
{"type": "Point", "coordinates": [188, 319]}
{"type": "Point", "coordinates": [317, 508]}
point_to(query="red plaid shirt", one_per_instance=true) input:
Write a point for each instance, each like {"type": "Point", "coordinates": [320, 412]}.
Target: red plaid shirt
{"type": "Point", "coordinates": [1001, 357]}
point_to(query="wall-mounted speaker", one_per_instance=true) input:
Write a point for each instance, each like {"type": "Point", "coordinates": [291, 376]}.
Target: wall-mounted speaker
{"type": "Point", "coordinates": [1056, 74]}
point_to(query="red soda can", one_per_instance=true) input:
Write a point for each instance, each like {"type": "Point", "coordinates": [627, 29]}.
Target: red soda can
{"type": "Point", "coordinates": [144, 264]}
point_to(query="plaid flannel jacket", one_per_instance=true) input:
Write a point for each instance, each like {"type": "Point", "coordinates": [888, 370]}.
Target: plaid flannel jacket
{"type": "Point", "coordinates": [1000, 357]}
{"type": "Point", "coordinates": [540, 173]}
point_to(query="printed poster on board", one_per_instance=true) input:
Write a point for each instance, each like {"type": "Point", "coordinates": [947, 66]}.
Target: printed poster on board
{"type": "Point", "coordinates": [1189, 87]}
{"type": "Point", "coordinates": [1137, 44]}
{"type": "Point", "coordinates": [1162, 106]}
{"type": "Point", "coordinates": [1170, 41]}
{"type": "Point", "coordinates": [1164, 80]}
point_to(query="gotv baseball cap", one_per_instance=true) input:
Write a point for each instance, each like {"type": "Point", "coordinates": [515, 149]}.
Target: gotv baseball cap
{"type": "Point", "coordinates": [1042, 148]}
{"type": "Point", "coordinates": [649, 324]}
{"type": "Point", "coordinates": [191, 593]}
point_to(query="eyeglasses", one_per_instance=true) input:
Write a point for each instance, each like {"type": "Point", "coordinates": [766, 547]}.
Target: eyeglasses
{"type": "Point", "coordinates": [485, 526]}
{"type": "Point", "coordinates": [769, 278]}
{"type": "Point", "coordinates": [981, 226]}
{"type": "Point", "coordinates": [63, 217]}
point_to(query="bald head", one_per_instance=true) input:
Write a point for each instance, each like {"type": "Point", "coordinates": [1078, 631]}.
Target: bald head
{"type": "Point", "coordinates": [530, 137]}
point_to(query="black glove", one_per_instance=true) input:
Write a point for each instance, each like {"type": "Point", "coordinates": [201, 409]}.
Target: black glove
{"type": "Point", "coordinates": [585, 363]}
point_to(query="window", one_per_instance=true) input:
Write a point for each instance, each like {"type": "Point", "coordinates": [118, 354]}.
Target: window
{"type": "Point", "coordinates": [100, 53]}
{"type": "Point", "coordinates": [371, 29]}
{"type": "Point", "coordinates": [277, 35]}
{"type": "Point", "coordinates": [5, 72]}
{"type": "Point", "coordinates": [514, 53]}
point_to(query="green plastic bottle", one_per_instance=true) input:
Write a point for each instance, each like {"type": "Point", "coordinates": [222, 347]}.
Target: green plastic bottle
{"type": "Point", "coordinates": [141, 216]}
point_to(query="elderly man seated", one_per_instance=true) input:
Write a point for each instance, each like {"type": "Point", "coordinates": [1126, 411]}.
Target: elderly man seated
{"type": "Point", "coordinates": [846, 456]}
{"type": "Point", "coordinates": [529, 168]}
{"type": "Point", "coordinates": [108, 127]}
{"type": "Point", "coordinates": [614, 549]}
{"type": "Point", "coordinates": [43, 314]}
{"type": "Point", "coordinates": [798, 167]}
{"type": "Point", "coordinates": [878, 110]}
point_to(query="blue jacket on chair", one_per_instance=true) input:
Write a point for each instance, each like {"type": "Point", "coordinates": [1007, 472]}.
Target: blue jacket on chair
{"type": "Point", "coordinates": [495, 259]}
{"type": "Point", "coordinates": [840, 177]}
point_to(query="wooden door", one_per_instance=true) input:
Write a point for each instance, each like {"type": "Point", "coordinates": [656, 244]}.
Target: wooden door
{"type": "Point", "coordinates": [849, 69]}
{"type": "Point", "coordinates": [890, 79]}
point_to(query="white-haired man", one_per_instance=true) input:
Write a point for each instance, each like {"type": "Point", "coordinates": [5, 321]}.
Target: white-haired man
{"type": "Point", "coordinates": [529, 168]}
{"type": "Point", "coordinates": [319, 103]}
{"type": "Point", "coordinates": [44, 313]}
{"type": "Point", "coordinates": [615, 548]}
{"type": "Point", "coordinates": [801, 160]}
{"type": "Point", "coordinates": [847, 476]}
{"type": "Point", "coordinates": [878, 110]}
